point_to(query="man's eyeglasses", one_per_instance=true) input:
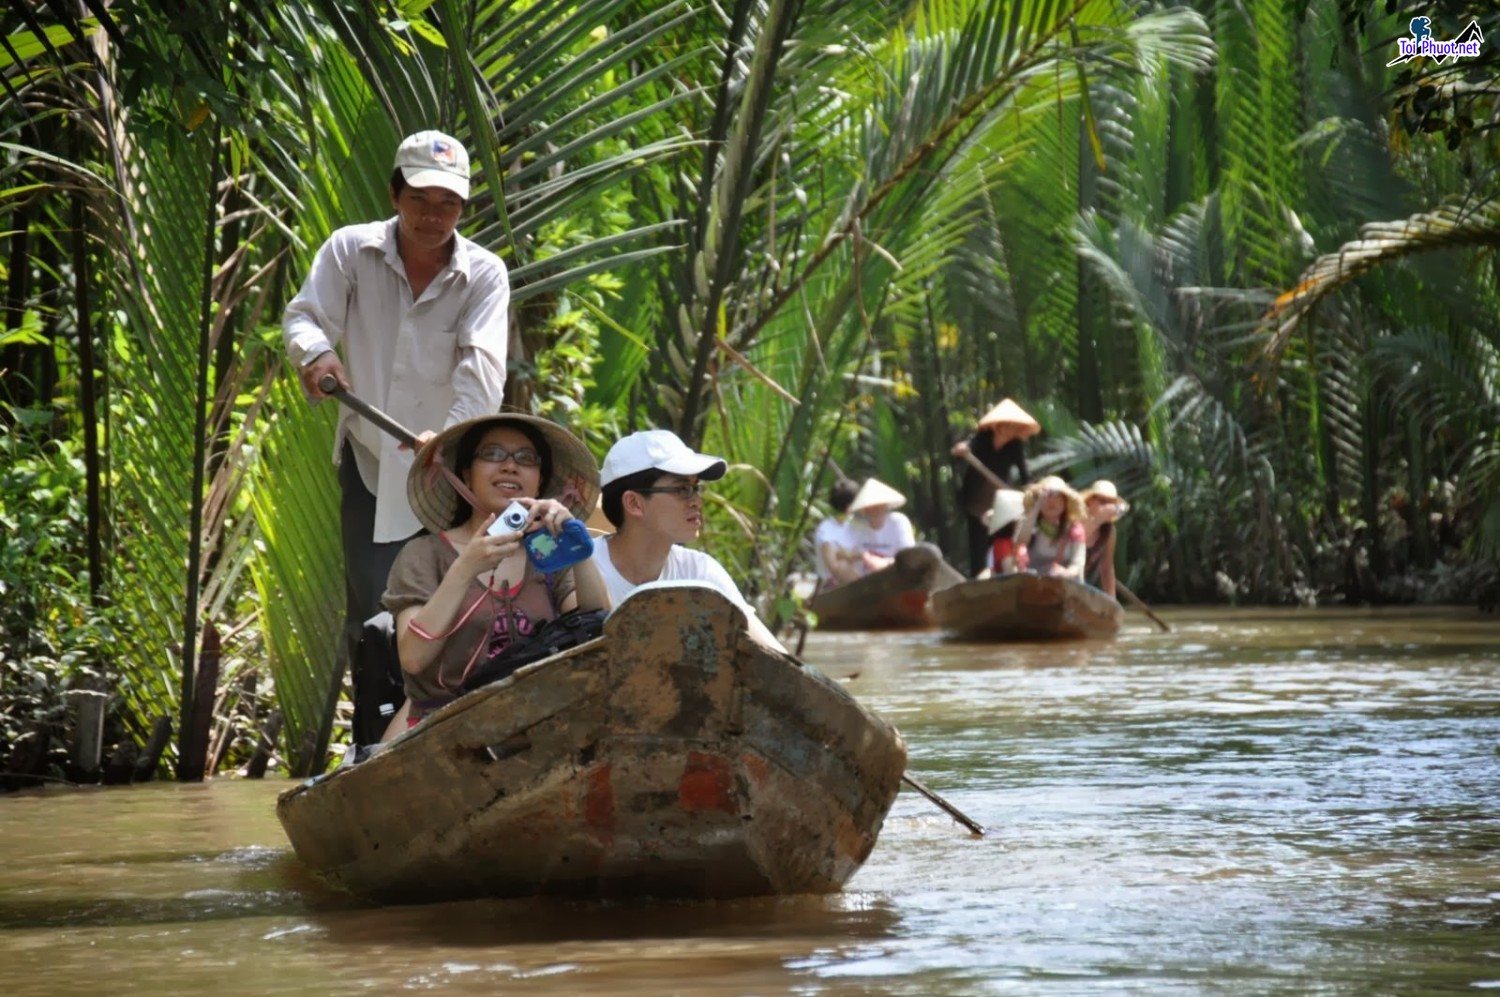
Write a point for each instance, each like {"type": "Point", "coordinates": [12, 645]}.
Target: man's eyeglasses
{"type": "Point", "coordinates": [496, 454]}
{"type": "Point", "coordinates": [683, 492]}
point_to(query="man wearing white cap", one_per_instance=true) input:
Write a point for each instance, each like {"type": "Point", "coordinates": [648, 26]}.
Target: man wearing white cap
{"type": "Point", "coordinates": [651, 487]}
{"type": "Point", "coordinates": [419, 314]}
{"type": "Point", "coordinates": [878, 531]}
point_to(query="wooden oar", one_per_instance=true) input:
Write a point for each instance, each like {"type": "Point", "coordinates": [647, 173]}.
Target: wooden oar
{"type": "Point", "coordinates": [330, 386]}
{"type": "Point", "coordinates": [951, 810]}
{"type": "Point", "coordinates": [1136, 601]}
{"type": "Point", "coordinates": [911, 780]}
{"type": "Point", "coordinates": [1120, 586]}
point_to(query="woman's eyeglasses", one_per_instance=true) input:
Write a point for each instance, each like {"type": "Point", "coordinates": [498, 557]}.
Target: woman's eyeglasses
{"type": "Point", "coordinates": [683, 492]}
{"type": "Point", "coordinates": [496, 454]}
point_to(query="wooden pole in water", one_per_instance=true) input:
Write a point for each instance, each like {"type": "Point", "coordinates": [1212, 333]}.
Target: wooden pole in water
{"type": "Point", "coordinates": [1141, 605]}
{"type": "Point", "coordinates": [145, 765]}
{"type": "Point", "coordinates": [951, 810]}
{"type": "Point", "coordinates": [88, 730]}
{"type": "Point", "coordinates": [906, 777]}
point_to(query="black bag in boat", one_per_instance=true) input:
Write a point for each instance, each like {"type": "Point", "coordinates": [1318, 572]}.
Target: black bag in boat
{"type": "Point", "coordinates": [376, 674]}
{"type": "Point", "coordinates": [577, 626]}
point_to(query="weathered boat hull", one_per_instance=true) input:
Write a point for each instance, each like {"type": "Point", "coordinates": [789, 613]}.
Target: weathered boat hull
{"type": "Point", "coordinates": [1025, 606]}
{"type": "Point", "coordinates": [895, 598]}
{"type": "Point", "coordinates": [673, 757]}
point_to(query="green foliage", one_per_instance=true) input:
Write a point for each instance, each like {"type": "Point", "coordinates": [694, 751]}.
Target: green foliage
{"type": "Point", "coordinates": [819, 239]}
{"type": "Point", "coordinates": [52, 637]}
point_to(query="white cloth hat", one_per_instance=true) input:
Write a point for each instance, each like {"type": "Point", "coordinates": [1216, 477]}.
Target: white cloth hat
{"type": "Point", "coordinates": [432, 159]}
{"type": "Point", "coordinates": [660, 450]}
{"type": "Point", "coordinates": [1008, 507]}
{"type": "Point", "coordinates": [875, 492]}
{"type": "Point", "coordinates": [1107, 491]}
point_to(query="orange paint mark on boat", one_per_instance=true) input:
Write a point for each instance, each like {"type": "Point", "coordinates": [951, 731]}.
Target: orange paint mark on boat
{"type": "Point", "coordinates": [599, 802]}
{"type": "Point", "coordinates": [706, 784]}
{"type": "Point", "coordinates": [756, 768]}
{"type": "Point", "coordinates": [913, 602]}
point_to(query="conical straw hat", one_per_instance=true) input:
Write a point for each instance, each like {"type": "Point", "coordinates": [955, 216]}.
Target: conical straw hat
{"type": "Point", "coordinates": [1008, 412]}
{"type": "Point", "coordinates": [574, 481]}
{"type": "Point", "coordinates": [874, 492]}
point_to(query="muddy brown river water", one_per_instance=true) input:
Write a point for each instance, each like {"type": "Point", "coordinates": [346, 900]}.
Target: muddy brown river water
{"type": "Point", "coordinates": [1259, 802]}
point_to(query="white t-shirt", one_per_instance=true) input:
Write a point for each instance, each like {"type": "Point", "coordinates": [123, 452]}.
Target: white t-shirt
{"type": "Point", "coordinates": [829, 531]}
{"type": "Point", "coordinates": [895, 534]}
{"type": "Point", "coordinates": [683, 565]}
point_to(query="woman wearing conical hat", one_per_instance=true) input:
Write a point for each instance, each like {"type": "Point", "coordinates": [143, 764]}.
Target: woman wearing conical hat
{"type": "Point", "coordinates": [877, 531]}
{"type": "Point", "coordinates": [998, 444]}
{"type": "Point", "coordinates": [463, 592]}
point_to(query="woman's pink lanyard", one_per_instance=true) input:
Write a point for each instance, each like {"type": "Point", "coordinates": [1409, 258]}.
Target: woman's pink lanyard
{"type": "Point", "coordinates": [508, 595]}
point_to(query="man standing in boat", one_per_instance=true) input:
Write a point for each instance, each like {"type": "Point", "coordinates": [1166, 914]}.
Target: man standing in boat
{"type": "Point", "coordinates": [997, 444]}
{"type": "Point", "coordinates": [419, 314]}
{"type": "Point", "coordinates": [651, 491]}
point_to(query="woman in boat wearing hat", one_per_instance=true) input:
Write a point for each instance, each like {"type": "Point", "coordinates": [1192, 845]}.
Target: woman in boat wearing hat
{"type": "Point", "coordinates": [998, 444]}
{"type": "Point", "coordinates": [877, 531]}
{"type": "Point", "coordinates": [1105, 507]}
{"type": "Point", "coordinates": [462, 594]}
{"type": "Point", "coordinates": [1052, 529]}
{"type": "Point", "coordinates": [1003, 520]}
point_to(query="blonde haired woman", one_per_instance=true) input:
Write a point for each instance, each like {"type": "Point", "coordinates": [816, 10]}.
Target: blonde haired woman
{"type": "Point", "coordinates": [1052, 529]}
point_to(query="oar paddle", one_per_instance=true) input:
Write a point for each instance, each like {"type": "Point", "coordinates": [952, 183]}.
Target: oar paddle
{"type": "Point", "coordinates": [330, 386]}
{"type": "Point", "coordinates": [1124, 590]}
{"type": "Point", "coordinates": [1135, 600]}
{"type": "Point", "coordinates": [911, 780]}
{"type": "Point", "coordinates": [951, 810]}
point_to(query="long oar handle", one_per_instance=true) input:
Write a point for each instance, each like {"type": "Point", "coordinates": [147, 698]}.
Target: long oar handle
{"type": "Point", "coordinates": [330, 386]}
{"type": "Point", "coordinates": [989, 475]}
{"type": "Point", "coordinates": [1141, 605]}
{"type": "Point", "coordinates": [951, 810]}
{"type": "Point", "coordinates": [910, 780]}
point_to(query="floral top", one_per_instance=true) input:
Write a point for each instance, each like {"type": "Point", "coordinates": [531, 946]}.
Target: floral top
{"type": "Point", "coordinates": [1056, 547]}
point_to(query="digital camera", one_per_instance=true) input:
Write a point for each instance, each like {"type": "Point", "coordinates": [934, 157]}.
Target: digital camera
{"type": "Point", "coordinates": [551, 552]}
{"type": "Point", "coordinates": [512, 519]}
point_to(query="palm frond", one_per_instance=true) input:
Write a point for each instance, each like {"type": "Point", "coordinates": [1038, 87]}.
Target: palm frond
{"type": "Point", "coordinates": [1459, 225]}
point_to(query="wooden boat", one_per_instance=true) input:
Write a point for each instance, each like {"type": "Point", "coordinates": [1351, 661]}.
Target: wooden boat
{"type": "Point", "coordinates": [1026, 606]}
{"type": "Point", "coordinates": [894, 598]}
{"type": "Point", "coordinates": [673, 757]}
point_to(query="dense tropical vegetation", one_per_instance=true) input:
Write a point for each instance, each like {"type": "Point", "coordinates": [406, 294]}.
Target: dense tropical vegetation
{"type": "Point", "coordinates": [1229, 255]}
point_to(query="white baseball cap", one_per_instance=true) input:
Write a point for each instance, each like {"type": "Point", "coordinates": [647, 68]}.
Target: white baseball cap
{"type": "Point", "coordinates": [660, 450]}
{"type": "Point", "coordinates": [432, 159]}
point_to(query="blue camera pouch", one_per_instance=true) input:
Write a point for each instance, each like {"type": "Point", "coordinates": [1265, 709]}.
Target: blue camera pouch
{"type": "Point", "coordinates": [551, 553]}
